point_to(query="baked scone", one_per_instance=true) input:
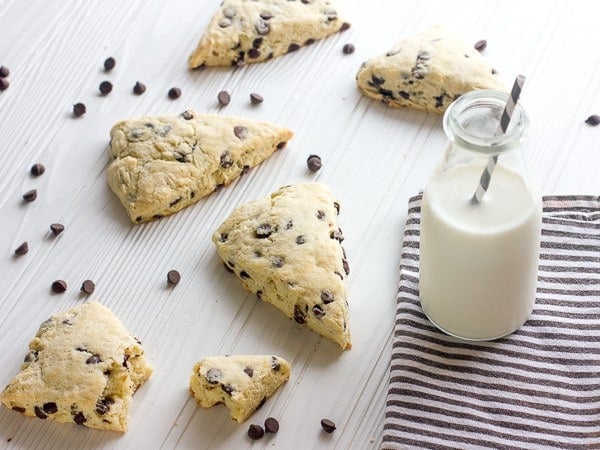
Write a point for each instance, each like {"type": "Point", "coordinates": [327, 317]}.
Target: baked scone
{"type": "Point", "coordinates": [83, 367]}
{"type": "Point", "coordinates": [166, 163]}
{"type": "Point", "coordinates": [242, 382]}
{"type": "Point", "coordinates": [249, 31]}
{"type": "Point", "coordinates": [286, 248]}
{"type": "Point", "coordinates": [427, 72]}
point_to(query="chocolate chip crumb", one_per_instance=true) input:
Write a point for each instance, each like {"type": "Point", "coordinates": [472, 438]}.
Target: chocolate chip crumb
{"type": "Point", "coordinates": [345, 26]}
{"type": "Point", "coordinates": [187, 115]}
{"type": "Point", "coordinates": [271, 425]}
{"type": "Point", "coordinates": [255, 99]}
{"type": "Point", "coordinates": [348, 49]}
{"type": "Point", "coordinates": [4, 72]}
{"type": "Point", "coordinates": [328, 425]}
{"type": "Point", "coordinates": [593, 120]}
{"type": "Point", "coordinates": [37, 169]}
{"type": "Point", "coordinates": [105, 87]}
{"type": "Point", "coordinates": [255, 432]}
{"type": "Point", "coordinates": [249, 371]}
{"type": "Point", "coordinates": [173, 277]}
{"type": "Point", "coordinates": [79, 109]}
{"type": "Point", "coordinates": [314, 163]}
{"type": "Point", "coordinates": [480, 45]}
{"type": "Point", "coordinates": [224, 98]}
{"type": "Point", "coordinates": [139, 88]}
{"type": "Point", "coordinates": [4, 84]}
{"type": "Point", "coordinates": [57, 228]}
{"type": "Point", "coordinates": [109, 64]}
{"type": "Point", "coordinates": [88, 287]}
{"type": "Point", "coordinates": [174, 93]}
{"type": "Point", "coordinates": [59, 286]}
{"type": "Point", "coordinates": [22, 249]}
{"type": "Point", "coordinates": [30, 196]}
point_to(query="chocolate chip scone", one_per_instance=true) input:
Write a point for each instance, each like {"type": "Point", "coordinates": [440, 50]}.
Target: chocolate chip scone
{"type": "Point", "coordinates": [427, 72]}
{"type": "Point", "coordinates": [286, 248]}
{"type": "Point", "coordinates": [83, 367]}
{"type": "Point", "coordinates": [166, 163]}
{"type": "Point", "coordinates": [242, 383]}
{"type": "Point", "coordinates": [249, 31]}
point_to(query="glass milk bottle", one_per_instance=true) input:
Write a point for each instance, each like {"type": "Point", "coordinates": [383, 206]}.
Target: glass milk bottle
{"type": "Point", "coordinates": [479, 261]}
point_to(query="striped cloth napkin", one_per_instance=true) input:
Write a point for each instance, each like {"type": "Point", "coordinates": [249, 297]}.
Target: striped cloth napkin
{"type": "Point", "coordinates": [537, 388]}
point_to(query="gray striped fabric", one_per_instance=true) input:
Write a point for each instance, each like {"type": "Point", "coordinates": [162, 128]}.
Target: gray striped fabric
{"type": "Point", "coordinates": [537, 388]}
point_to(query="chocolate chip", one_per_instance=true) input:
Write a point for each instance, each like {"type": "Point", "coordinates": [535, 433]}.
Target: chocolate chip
{"type": "Point", "coordinates": [30, 196]}
{"type": "Point", "coordinates": [289, 225]}
{"type": "Point", "coordinates": [59, 286]}
{"type": "Point", "coordinates": [275, 364]}
{"type": "Point", "coordinates": [103, 405]}
{"type": "Point", "coordinates": [226, 161]}
{"type": "Point", "coordinates": [57, 228]}
{"type": "Point", "coordinates": [405, 95]}
{"type": "Point", "coordinates": [280, 145]}
{"type": "Point", "coordinates": [79, 418]}
{"type": "Point", "coordinates": [593, 120]}
{"type": "Point", "coordinates": [255, 432]}
{"type": "Point", "coordinates": [79, 109]}
{"type": "Point", "coordinates": [105, 87]}
{"type": "Point", "coordinates": [262, 27]}
{"type": "Point", "coordinates": [213, 375]}
{"type": "Point", "coordinates": [4, 84]}
{"type": "Point", "coordinates": [174, 93]}
{"type": "Point", "coordinates": [229, 12]}
{"type": "Point", "coordinates": [328, 425]}
{"type": "Point", "coordinates": [300, 240]}
{"type": "Point", "coordinates": [320, 214]}
{"type": "Point", "coordinates": [271, 425]}
{"type": "Point", "coordinates": [139, 88]}
{"type": "Point", "coordinates": [125, 359]}
{"type": "Point", "coordinates": [255, 99]}
{"type": "Point", "coordinates": [293, 47]}
{"type": "Point", "coordinates": [336, 205]}
{"type": "Point", "coordinates": [31, 356]}
{"type": "Point", "coordinates": [331, 15]}
{"type": "Point", "coordinates": [245, 170]}
{"type": "Point", "coordinates": [423, 56]}
{"type": "Point", "coordinates": [314, 163]}
{"type": "Point", "coordinates": [240, 132]}
{"type": "Point", "coordinates": [18, 409]}
{"type": "Point", "coordinates": [386, 93]}
{"type": "Point", "coordinates": [494, 71]}
{"type": "Point", "coordinates": [224, 98]}
{"type": "Point", "coordinates": [264, 230]}
{"type": "Point", "coordinates": [299, 315]}
{"type": "Point", "coordinates": [227, 388]}
{"type": "Point", "coordinates": [377, 81]}
{"type": "Point", "coordinates": [318, 311]}
{"type": "Point", "coordinates": [309, 41]}
{"type": "Point", "coordinates": [173, 277]}
{"type": "Point", "coordinates": [229, 269]}
{"type": "Point", "coordinates": [225, 22]}
{"type": "Point", "coordinates": [346, 266]}
{"type": "Point", "coordinates": [94, 359]}
{"type": "Point", "coordinates": [39, 413]}
{"type": "Point", "coordinates": [345, 26]}
{"type": "Point", "coordinates": [37, 169]}
{"type": "Point", "coordinates": [87, 287]}
{"type": "Point", "coordinates": [253, 53]}
{"type": "Point", "coordinates": [259, 294]}
{"type": "Point", "coordinates": [256, 43]}
{"type": "Point", "coordinates": [50, 408]}
{"type": "Point", "coordinates": [348, 49]}
{"type": "Point", "coordinates": [277, 261]}
{"type": "Point", "coordinates": [244, 275]}
{"type": "Point", "coordinates": [22, 249]}
{"type": "Point", "coordinates": [223, 237]}
{"type": "Point", "coordinates": [326, 296]}
{"type": "Point", "coordinates": [249, 371]}
{"type": "Point", "coordinates": [337, 235]}
{"type": "Point", "coordinates": [4, 72]}
{"type": "Point", "coordinates": [480, 45]}
{"type": "Point", "coordinates": [266, 15]}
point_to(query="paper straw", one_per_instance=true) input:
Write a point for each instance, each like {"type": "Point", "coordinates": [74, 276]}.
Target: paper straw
{"type": "Point", "coordinates": [486, 176]}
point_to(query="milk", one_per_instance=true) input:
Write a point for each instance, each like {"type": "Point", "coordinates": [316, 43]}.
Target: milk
{"type": "Point", "coordinates": [478, 263]}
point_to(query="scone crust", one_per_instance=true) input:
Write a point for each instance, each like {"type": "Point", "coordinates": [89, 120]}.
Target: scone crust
{"type": "Point", "coordinates": [83, 367]}
{"type": "Point", "coordinates": [286, 248]}
{"type": "Point", "coordinates": [250, 31]}
{"type": "Point", "coordinates": [427, 72]}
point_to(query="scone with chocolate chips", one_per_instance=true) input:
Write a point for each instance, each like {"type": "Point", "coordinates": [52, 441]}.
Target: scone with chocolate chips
{"type": "Point", "coordinates": [83, 367]}
{"type": "Point", "coordinates": [242, 383]}
{"type": "Point", "coordinates": [286, 248]}
{"type": "Point", "coordinates": [164, 164]}
{"type": "Point", "coordinates": [428, 72]}
{"type": "Point", "coordinates": [250, 31]}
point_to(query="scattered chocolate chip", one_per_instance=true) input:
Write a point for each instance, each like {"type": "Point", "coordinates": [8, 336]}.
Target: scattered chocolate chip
{"type": "Point", "coordinates": [225, 22]}
{"type": "Point", "coordinates": [277, 261]}
{"type": "Point", "coordinates": [18, 409]}
{"type": "Point", "coordinates": [4, 84]}
{"type": "Point", "coordinates": [125, 359]}
{"type": "Point", "coordinates": [59, 286]}
{"type": "Point", "coordinates": [224, 98]}
{"type": "Point", "coordinates": [255, 432]}
{"type": "Point", "coordinates": [244, 275]}
{"type": "Point", "coordinates": [245, 170]}
{"type": "Point", "coordinates": [139, 88]}
{"type": "Point", "coordinates": [262, 27]}
{"type": "Point", "coordinates": [94, 359]}
{"type": "Point", "coordinates": [240, 132]}
{"type": "Point", "coordinates": [300, 240]}
{"type": "Point", "coordinates": [593, 120]}
{"type": "Point", "coordinates": [223, 237]}
{"type": "Point", "coordinates": [30, 196]}
{"type": "Point", "coordinates": [271, 425]}
{"type": "Point", "coordinates": [4, 72]}
{"type": "Point", "coordinates": [229, 269]}
{"type": "Point", "coordinates": [57, 228]}
{"type": "Point", "coordinates": [293, 47]}
{"type": "Point", "coordinates": [337, 235]}
{"type": "Point", "coordinates": [320, 214]}
{"type": "Point", "coordinates": [213, 375]}
{"type": "Point", "coordinates": [405, 95]}
{"type": "Point", "coordinates": [309, 41]}
{"type": "Point", "coordinates": [109, 64]}
{"type": "Point", "coordinates": [87, 287]}
{"type": "Point", "coordinates": [39, 413]}
{"type": "Point", "coordinates": [259, 294]}
{"type": "Point", "coordinates": [281, 145]}
{"type": "Point", "coordinates": [377, 81]}
{"type": "Point", "coordinates": [50, 408]}
{"type": "Point", "coordinates": [253, 53]}
{"type": "Point", "coordinates": [318, 311]}
{"type": "Point", "coordinates": [423, 56]}
{"type": "Point", "coordinates": [275, 364]}
{"type": "Point", "coordinates": [289, 225]}
{"type": "Point", "coordinates": [249, 371]}
{"type": "Point", "coordinates": [346, 266]}
{"type": "Point", "coordinates": [266, 15]}
{"type": "Point", "coordinates": [174, 93]}
{"type": "Point", "coordinates": [331, 15]}
{"type": "Point", "coordinates": [226, 161]}
{"type": "Point", "coordinates": [314, 163]}
{"type": "Point", "coordinates": [173, 277]}
{"type": "Point", "coordinates": [227, 388]}
{"type": "Point", "coordinates": [229, 12]}
{"type": "Point", "coordinates": [326, 296]}
{"type": "Point", "coordinates": [299, 315]}
{"type": "Point", "coordinates": [31, 356]}
{"type": "Point", "coordinates": [255, 99]}
{"type": "Point", "coordinates": [336, 205]}
{"type": "Point", "coordinates": [79, 109]}
{"type": "Point", "coordinates": [105, 87]}
{"type": "Point", "coordinates": [264, 230]}
{"type": "Point", "coordinates": [348, 49]}
{"type": "Point", "coordinates": [480, 45]}
{"type": "Point", "coordinates": [79, 418]}
{"type": "Point", "coordinates": [103, 405]}
{"type": "Point", "coordinates": [257, 42]}
{"type": "Point", "coordinates": [328, 425]}
{"type": "Point", "coordinates": [345, 26]}
{"type": "Point", "coordinates": [494, 71]}
{"type": "Point", "coordinates": [22, 249]}
{"type": "Point", "coordinates": [37, 170]}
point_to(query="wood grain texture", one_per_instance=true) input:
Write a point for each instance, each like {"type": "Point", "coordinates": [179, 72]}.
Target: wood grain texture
{"type": "Point", "coordinates": [374, 159]}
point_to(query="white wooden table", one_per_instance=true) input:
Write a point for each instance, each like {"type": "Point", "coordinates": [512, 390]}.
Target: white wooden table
{"type": "Point", "coordinates": [374, 159]}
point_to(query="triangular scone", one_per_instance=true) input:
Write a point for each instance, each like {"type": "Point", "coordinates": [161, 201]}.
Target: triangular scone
{"type": "Point", "coordinates": [286, 248]}
{"type": "Point", "coordinates": [428, 72]}
{"type": "Point", "coordinates": [242, 383]}
{"type": "Point", "coordinates": [249, 31]}
{"type": "Point", "coordinates": [83, 367]}
{"type": "Point", "coordinates": [166, 163]}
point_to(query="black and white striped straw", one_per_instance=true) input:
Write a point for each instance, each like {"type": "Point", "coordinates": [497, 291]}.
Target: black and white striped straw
{"type": "Point", "coordinates": [486, 176]}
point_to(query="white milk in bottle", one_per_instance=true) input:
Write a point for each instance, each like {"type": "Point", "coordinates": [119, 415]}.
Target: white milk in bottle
{"type": "Point", "coordinates": [478, 262]}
